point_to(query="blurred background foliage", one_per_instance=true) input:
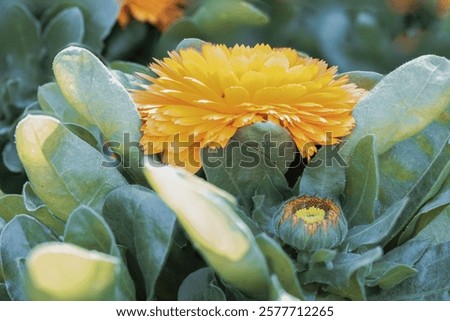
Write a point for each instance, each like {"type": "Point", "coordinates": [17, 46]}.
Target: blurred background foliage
{"type": "Point", "coordinates": [375, 35]}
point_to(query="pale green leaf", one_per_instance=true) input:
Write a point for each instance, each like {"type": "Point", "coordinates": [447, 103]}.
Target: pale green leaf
{"type": "Point", "coordinates": [403, 103]}
{"type": "Point", "coordinates": [93, 91]}
{"type": "Point", "coordinates": [221, 236]}
{"type": "Point", "coordinates": [64, 171]}
{"type": "Point", "coordinates": [50, 273]}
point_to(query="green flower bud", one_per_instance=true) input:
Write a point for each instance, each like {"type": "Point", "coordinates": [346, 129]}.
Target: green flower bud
{"type": "Point", "coordinates": [310, 223]}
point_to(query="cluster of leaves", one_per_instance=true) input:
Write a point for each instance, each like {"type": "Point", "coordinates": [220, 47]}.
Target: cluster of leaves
{"type": "Point", "coordinates": [355, 35]}
{"type": "Point", "coordinates": [32, 34]}
{"type": "Point", "coordinates": [96, 211]}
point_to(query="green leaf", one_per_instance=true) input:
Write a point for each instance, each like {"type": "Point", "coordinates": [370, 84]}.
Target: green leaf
{"type": "Point", "coordinates": [218, 232]}
{"type": "Point", "coordinates": [361, 188]}
{"type": "Point", "coordinates": [65, 28]}
{"type": "Point", "coordinates": [183, 28]}
{"type": "Point", "coordinates": [12, 205]}
{"type": "Point", "coordinates": [387, 274]}
{"type": "Point", "coordinates": [4, 293]}
{"type": "Point", "coordinates": [89, 230]}
{"type": "Point", "coordinates": [344, 265]}
{"type": "Point", "coordinates": [50, 273]}
{"type": "Point", "coordinates": [323, 256]}
{"type": "Point", "coordinates": [201, 285]}
{"type": "Point", "coordinates": [246, 165]}
{"type": "Point", "coordinates": [64, 171]}
{"type": "Point", "coordinates": [99, 16]}
{"type": "Point", "coordinates": [144, 224]}
{"type": "Point", "coordinates": [25, 43]}
{"type": "Point", "coordinates": [92, 90]}
{"type": "Point", "coordinates": [403, 103]}
{"type": "Point", "coordinates": [52, 100]}
{"type": "Point", "coordinates": [126, 43]}
{"type": "Point", "coordinates": [428, 211]}
{"type": "Point", "coordinates": [281, 265]}
{"type": "Point", "coordinates": [128, 67]}
{"type": "Point", "coordinates": [431, 280]}
{"type": "Point", "coordinates": [264, 208]}
{"type": "Point", "coordinates": [277, 293]}
{"type": "Point", "coordinates": [437, 231]}
{"type": "Point", "coordinates": [325, 174]}
{"type": "Point", "coordinates": [363, 79]}
{"type": "Point", "coordinates": [11, 158]}
{"type": "Point", "coordinates": [270, 140]}
{"type": "Point", "coordinates": [406, 254]}
{"type": "Point", "coordinates": [378, 232]}
{"type": "Point", "coordinates": [17, 239]}
{"type": "Point", "coordinates": [213, 15]}
{"type": "Point", "coordinates": [418, 180]}
{"type": "Point", "coordinates": [356, 286]}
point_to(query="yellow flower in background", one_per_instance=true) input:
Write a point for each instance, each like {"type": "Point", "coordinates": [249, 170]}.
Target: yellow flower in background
{"type": "Point", "coordinates": [160, 13]}
{"type": "Point", "coordinates": [202, 97]}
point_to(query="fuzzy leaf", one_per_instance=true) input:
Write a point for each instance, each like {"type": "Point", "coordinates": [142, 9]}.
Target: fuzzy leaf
{"type": "Point", "coordinates": [431, 281]}
{"type": "Point", "coordinates": [387, 274]}
{"type": "Point", "coordinates": [92, 90]}
{"type": "Point", "coordinates": [201, 285]}
{"type": "Point", "coordinates": [377, 232]}
{"type": "Point", "coordinates": [50, 273]}
{"type": "Point", "coordinates": [12, 205]}
{"type": "Point", "coordinates": [52, 100]}
{"type": "Point", "coordinates": [363, 79]}
{"type": "Point", "coordinates": [17, 239]}
{"type": "Point", "coordinates": [22, 39]}
{"type": "Point", "coordinates": [89, 230]}
{"type": "Point", "coordinates": [436, 231]}
{"type": "Point", "coordinates": [281, 265]}
{"type": "Point", "coordinates": [64, 171]}
{"type": "Point", "coordinates": [213, 15]}
{"type": "Point", "coordinates": [325, 174]}
{"type": "Point", "coordinates": [428, 211]}
{"type": "Point", "coordinates": [419, 180]}
{"type": "Point", "coordinates": [207, 215]}
{"type": "Point", "coordinates": [144, 224]}
{"type": "Point", "coordinates": [361, 188]}
{"type": "Point", "coordinates": [414, 94]}
{"type": "Point", "coordinates": [242, 166]}
{"type": "Point", "coordinates": [65, 28]}
{"type": "Point", "coordinates": [344, 265]}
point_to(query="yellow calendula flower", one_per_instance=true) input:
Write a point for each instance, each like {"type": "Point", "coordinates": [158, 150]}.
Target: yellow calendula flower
{"type": "Point", "coordinates": [160, 13]}
{"type": "Point", "coordinates": [203, 96]}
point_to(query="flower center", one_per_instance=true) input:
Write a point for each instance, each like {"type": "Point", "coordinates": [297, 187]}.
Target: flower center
{"type": "Point", "coordinates": [311, 215]}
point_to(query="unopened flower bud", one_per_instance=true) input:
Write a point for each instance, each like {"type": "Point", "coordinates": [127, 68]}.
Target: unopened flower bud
{"type": "Point", "coordinates": [311, 223]}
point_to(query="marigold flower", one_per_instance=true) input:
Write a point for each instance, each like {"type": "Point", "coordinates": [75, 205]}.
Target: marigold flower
{"type": "Point", "coordinates": [311, 223]}
{"type": "Point", "coordinates": [203, 96]}
{"type": "Point", "coordinates": [160, 13]}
